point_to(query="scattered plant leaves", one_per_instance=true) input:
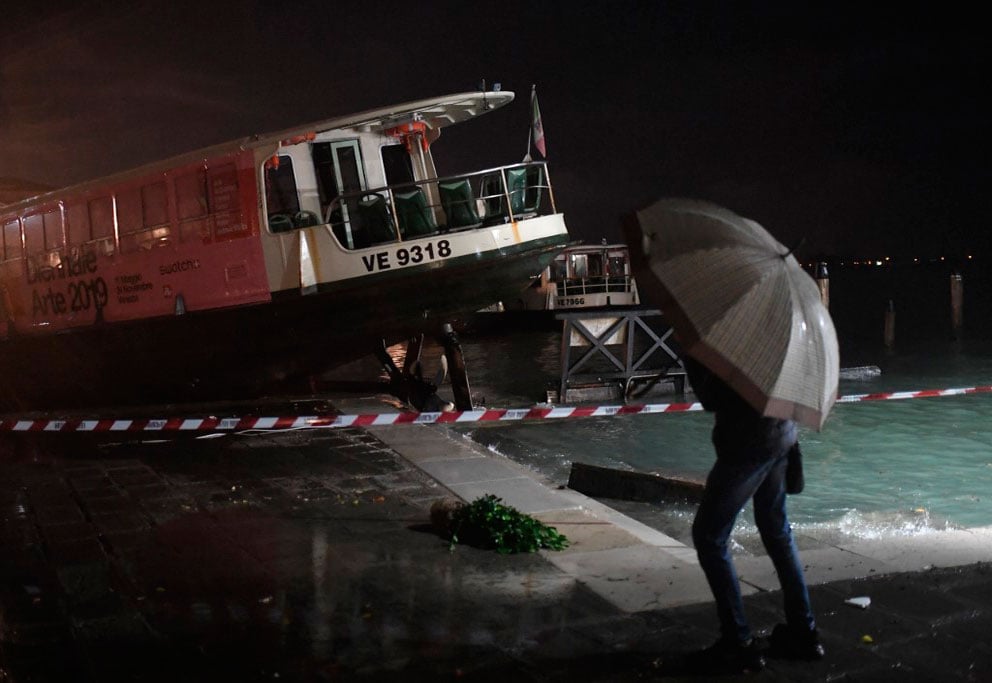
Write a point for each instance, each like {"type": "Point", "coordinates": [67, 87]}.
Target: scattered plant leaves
{"type": "Point", "coordinates": [487, 523]}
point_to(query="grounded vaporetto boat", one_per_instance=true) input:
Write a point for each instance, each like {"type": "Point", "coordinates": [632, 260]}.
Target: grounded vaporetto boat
{"type": "Point", "coordinates": [237, 269]}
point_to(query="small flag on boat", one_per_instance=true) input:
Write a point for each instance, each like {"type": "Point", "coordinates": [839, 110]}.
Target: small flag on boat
{"type": "Point", "coordinates": [536, 127]}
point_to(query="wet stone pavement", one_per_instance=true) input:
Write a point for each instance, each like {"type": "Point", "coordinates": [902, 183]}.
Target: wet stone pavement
{"type": "Point", "coordinates": [308, 556]}
{"type": "Point", "coordinates": [291, 556]}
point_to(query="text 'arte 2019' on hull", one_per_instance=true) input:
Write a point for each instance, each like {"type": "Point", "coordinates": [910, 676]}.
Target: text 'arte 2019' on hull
{"type": "Point", "coordinates": [229, 272]}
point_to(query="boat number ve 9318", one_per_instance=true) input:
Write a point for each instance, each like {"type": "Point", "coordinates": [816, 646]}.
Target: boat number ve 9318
{"type": "Point", "coordinates": [411, 255]}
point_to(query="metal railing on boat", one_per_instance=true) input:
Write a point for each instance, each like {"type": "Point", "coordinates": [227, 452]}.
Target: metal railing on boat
{"type": "Point", "coordinates": [594, 285]}
{"type": "Point", "coordinates": [465, 201]}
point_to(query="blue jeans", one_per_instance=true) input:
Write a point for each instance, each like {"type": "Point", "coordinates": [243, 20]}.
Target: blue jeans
{"type": "Point", "coordinates": [730, 484]}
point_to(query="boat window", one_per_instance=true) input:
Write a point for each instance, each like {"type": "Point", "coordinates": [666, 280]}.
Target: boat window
{"type": "Point", "coordinates": [102, 222]}
{"type": "Point", "coordinates": [154, 205]}
{"type": "Point", "coordinates": [191, 194]}
{"type": "Point", "coordinates": [595, 265]}
{"type": "Point", "coordinates": [615, 267]}
{"type": "Point", "coordinates": [207, 203]}
{"type": "Point", "coordinates": [129, 211]}
{"type": "Point", "coordinates": [142, 217]}
{"type": "Point", "coordinates": [224, 207]}
{"type": "Point", "coordinates": [397, 165]}
{"type": "Point", "coordinates": [281, 197]}
{"type": "Point", "coordinates": [54, 238]}
{"type": "Point", "coordinates": [191, 206]}
{"type": "Point", "coordinates": [340, 172]}
{"type": "Point", "coordinates": [77, 219]}
{"type": "Point", "coordinates": [39, 258]}
{"type": "Point", "coordinates": [11, 239]}
{"type": "Point", "coordinates": [580, 265]}
{"type": "Point", "coordinates": [323, 166]}
{"type": "Point", "coordinates": [34, 234]}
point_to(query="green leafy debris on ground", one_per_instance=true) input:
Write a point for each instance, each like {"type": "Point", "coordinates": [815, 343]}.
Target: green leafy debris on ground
{"type": "Point", "coordinates": [487, 523]}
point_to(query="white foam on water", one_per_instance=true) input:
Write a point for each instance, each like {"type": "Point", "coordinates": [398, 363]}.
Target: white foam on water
{"type": "Point", "coordinates": [855, 524]}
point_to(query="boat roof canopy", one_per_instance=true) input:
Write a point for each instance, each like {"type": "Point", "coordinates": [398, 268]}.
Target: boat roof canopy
{"type": "Point", "coordinates": [434, 112]}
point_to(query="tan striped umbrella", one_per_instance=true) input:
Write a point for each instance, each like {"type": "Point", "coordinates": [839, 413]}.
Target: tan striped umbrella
{"type": "Point", "coordinates": [741, 304]}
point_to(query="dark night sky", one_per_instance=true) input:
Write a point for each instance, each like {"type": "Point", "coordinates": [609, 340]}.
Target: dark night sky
{"type": "Point", "coordinates": [863, 133]}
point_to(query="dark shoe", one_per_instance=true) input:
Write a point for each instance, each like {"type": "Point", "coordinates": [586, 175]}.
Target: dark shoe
{"type": "Point", "coordinates": [727, 657]}
{"type": "Point", "coordinates": [792, 643]}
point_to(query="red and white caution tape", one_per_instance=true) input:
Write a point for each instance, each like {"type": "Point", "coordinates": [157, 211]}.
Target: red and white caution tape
{"type": "Point", "coordinates": [175, 424]}
{"type": "Point", "coordinates": [923, 393]}
{"type": "Point", "coordinates": [239, 424]}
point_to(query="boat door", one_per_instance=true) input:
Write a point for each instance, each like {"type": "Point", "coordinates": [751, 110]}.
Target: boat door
{"type": "Point", "coordinates": [340, 172]}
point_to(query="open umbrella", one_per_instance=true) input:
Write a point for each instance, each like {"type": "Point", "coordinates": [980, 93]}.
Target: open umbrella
{"type": "Point", "coordinates": [740, 304]}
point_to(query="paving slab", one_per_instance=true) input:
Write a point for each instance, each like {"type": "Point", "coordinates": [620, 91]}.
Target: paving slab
{"type": "Point", "coordinates": [821, 565]}
{"type": "Point", "coordinates": [923, 551]}
{"type": "Point", "coordinates": [587, 532]}
{"type": "Point", "coordinates": [468, 470]}
{"type": "Point", "coordinates": [637, 578]}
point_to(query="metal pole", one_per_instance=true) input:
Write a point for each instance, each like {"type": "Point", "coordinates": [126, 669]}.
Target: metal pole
{"type": "Point", "coordinates": [823, 282]}
{"type": "Point", "coordinates": [456, 366]}
{"type": "Point", "coordinates": [506, 195]}
{"type": "Point", "coordinates": [551, 192]}
{"type": "Point", "coordinates": [957, 304]}
{"type": "Point", "coordinates": [530, 129]}
{"type": "Point", "coordinates": [566, 357]}
{"type": "Point", "coordinates": [890, 324]}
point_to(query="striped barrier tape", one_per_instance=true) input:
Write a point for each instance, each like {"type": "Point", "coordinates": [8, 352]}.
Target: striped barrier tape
{"type": "Point", "coordinates": [239, 424]}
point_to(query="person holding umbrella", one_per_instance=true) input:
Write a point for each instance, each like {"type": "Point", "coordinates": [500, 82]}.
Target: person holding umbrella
{"type": "Point", "coordinates": [761, 353]}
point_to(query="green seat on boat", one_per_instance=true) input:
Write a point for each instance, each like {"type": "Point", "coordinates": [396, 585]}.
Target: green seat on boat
{"type": "Point", "coordinates": [376, 223]}
{"type": "Point", "coordinates": [414, 217]}
{"type": "Point", "coordinates": [524, 187]}
{"type": "Point", "coordinates": [459, 204]}
{"type": "Point", "coordinates": [493, 197]}
{"type": "Point", "coordinates": [280, 222]}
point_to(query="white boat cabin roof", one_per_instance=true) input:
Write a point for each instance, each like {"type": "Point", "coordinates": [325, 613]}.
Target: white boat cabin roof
{"type": "Point", "coordinates": [434, 113]}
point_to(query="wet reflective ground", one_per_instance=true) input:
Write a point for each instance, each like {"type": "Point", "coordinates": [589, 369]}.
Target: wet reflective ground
{"type": "Point", "coordinates": [307, 556]}
{"type": "Point", "coordinates": [294, 556]}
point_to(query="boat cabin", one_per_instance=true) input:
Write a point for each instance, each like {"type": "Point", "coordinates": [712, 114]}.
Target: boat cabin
{"type": "Point", "coordinates": [589, 276]}
{"type": "Point", "coordinates": [376, 182]}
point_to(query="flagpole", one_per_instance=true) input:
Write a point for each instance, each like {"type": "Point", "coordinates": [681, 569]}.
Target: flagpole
{"type": "Point", "coordinates": [530, 129]}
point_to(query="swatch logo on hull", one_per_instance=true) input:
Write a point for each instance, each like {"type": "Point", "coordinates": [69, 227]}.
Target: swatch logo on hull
{"type": "Point", "coordinates": [179, 266]}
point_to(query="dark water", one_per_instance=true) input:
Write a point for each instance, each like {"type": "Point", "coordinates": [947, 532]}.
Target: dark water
{"type": "Point", "coordinates": [921, 296]}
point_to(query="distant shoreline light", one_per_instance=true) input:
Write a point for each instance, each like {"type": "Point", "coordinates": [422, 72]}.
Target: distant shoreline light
{"type": "Point", "coordinates": [874, 262]}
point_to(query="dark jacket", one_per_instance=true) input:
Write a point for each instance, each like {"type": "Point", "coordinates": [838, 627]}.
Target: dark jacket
{"type": "Point", "coordinates": [739, 431]}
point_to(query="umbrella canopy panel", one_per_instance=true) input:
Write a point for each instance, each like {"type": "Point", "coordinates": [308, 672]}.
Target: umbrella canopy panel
{"type": "Point", "coordinates": [743, 306]}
